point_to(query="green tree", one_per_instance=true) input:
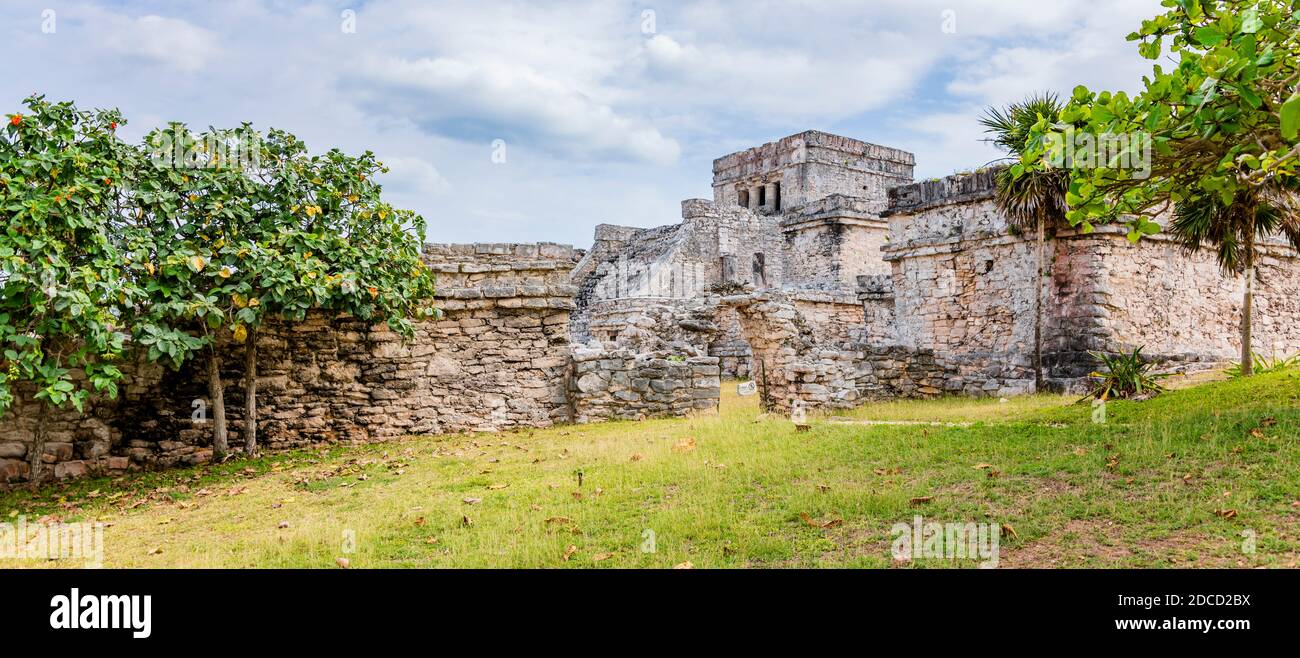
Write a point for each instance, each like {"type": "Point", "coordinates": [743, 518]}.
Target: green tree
{"type": "Point", "coordinates": [63, 289]}
{"type": "Point", "coordinates": [1211, 142]}
{"type": "Point", "coordinates": [326, 240]}
{"type": "Point", "coordinates": [1034, 200]}
{"type": "Point", "coordinates": [194, 224]}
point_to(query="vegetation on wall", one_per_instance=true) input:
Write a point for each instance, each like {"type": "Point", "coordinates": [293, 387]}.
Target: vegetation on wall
{"type": "Point", "coordinates": [182, 245]}
{"type": "Point", "coordinates": [1213, 142]}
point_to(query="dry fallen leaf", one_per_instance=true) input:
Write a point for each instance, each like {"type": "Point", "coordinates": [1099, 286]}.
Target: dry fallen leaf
{"type": "Point", "coordinates": [342, 562]}
{"type": "Point", "coordinates": [921, 500]}
{"type": "Point", "coordinates": [1227, 513]}
{"type": "Point", "coordinates": [466, 521]}
{"type": "Point", "coordinates": [1008, 531]}
{"type": "Point", "coordinates": [495, 487]}
{"type": "Point", "coordinates": [636, 457]}
{"type": "Point", "coordinates": [419, 521]}
{"type": "Point", "coordinates": [684, 565]}
{"type": "Point", "coordinates": [833, 523]}
{"type": "Point", "coordinates": [568, 552]}
{"type": "Point", "coordinates": [601, 557]}
{"type": "Point", "coordinates": [284, 524]}
{"type": "Point", "coordinates": [155, 551]}
{"type": "Point", "coordinates": [471, 501]}
{"type": "Point", "coordinates": [685, 445]}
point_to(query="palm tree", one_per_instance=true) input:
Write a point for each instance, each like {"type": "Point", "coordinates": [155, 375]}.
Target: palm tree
{"type": "Point", "coordinates": [1036, 199]}
{"type": "Point", "coordinates": [1233, 232]}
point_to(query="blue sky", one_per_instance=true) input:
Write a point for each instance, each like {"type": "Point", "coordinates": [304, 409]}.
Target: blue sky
{"type": "Point", "coordinates": [609, 110]}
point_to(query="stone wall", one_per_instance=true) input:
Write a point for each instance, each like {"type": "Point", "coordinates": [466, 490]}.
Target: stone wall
{"type": "Point", "coordinates": [831, 242]}
{"type": "Point", "coordinates": [794, 361]}
{"type": "Point", "coordinates": [964, 286]}
{"type": "Point", "coordinates": [964, 283]}
{"type": "Point", "coordinates": [625, 384]}
{"type": "Point", "coordinates": [1109, 295]}
{"type": "Point", "coordinates": [76, 444]}
{"type": "Point", "coordinates": [497, 358]}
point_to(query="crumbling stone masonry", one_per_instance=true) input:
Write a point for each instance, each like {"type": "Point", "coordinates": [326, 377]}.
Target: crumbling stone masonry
{"type": "Point", "coordinates": [497, 358]}
{"type": "Point", "coordinates": [801, 215]}
{"type": "Point", "coordinates": [928, 272]}
{"type": "Point", "coordinates": [964, 286]}
{"type": "Point", "coordinates": [630, 385]}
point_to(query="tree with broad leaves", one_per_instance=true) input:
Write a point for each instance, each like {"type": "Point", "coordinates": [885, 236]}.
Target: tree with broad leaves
{"type": "Point", "coordinates": [1213, 142]}
{"type": "Point", "coordinates": [248, 227]}
{"type": "Point", "coordinates": [325, 240]}
{"type": "Point", "coordinates": [64, 295]}
{"type": "Point", "coordinates": [195, 200]}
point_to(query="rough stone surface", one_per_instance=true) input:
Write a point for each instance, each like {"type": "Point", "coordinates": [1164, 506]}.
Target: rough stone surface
{"type": "Point", "coordinates": [964, 287]}
{"type": "Point", "coordinates": [496, 359]}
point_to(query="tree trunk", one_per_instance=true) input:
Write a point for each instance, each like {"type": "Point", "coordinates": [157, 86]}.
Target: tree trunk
{"type": "Point", "coordinates": [36, 458]}
{"type": "Point", "coordinates": [1038, 310]}
{"type": "Point", "coordinates": [215, 391]}
{"type": "Point", "coordinates": [1248, 303]}
{"type": "Point", "coordinates": [250, 394]}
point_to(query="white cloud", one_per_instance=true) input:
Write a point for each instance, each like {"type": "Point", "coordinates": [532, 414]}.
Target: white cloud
{"type": "Point", "coordinates": [603, 122]}
{"type": "Point", "coordinates": [515, 101]}
{"type": "Point", "coordinates": [168, 41]}
{"type": "Point", "coordinates": [413, 176]}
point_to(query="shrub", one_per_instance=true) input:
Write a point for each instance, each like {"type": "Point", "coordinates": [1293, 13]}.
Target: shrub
{"type": "Point", "coordinates": [1265, 365]}
{"type": "Point", "coordinates": [1126, 376]}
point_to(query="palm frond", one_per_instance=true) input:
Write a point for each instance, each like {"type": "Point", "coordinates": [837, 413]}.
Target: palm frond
{"type": "Point", "coordinates": [1036, 196]}
{"type": "Point", "coordinates": [1011, 126]}
{"type": "Point", "coordinates": [1202, 222]}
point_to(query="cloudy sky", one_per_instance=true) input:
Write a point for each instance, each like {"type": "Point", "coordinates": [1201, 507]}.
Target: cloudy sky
{"type": "Point", "coordinates": [605, 111]}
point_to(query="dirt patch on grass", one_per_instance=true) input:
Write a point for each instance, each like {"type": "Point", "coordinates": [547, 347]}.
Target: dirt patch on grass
{"type": "Point", "coordinates": [1072, 545]}
{"type": "Point", "coordinates": [1102, 543]}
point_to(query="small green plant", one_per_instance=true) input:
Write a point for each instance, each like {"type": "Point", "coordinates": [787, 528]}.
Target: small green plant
{"type": "Point", "coordinates": [1265, 365]}
{"type": "Point", "coordinates": [1126, 376]}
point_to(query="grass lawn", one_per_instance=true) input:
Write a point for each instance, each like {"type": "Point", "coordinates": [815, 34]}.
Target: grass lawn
{"type": "Point", "coordinates": [1179, 481]}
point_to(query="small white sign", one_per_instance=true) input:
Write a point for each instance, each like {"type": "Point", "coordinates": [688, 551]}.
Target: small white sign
{"type": "Point", "coordinates": [747, 388]}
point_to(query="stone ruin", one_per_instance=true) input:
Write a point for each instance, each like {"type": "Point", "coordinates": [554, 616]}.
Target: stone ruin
{"type": "Point", "coordinates": [833, 278]}
{"type": "Point", "coordinates": [819, 270]}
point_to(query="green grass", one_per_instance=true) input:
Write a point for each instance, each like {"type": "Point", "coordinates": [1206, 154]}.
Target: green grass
{"type": "Point", "coordinates": [1172, 481]}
